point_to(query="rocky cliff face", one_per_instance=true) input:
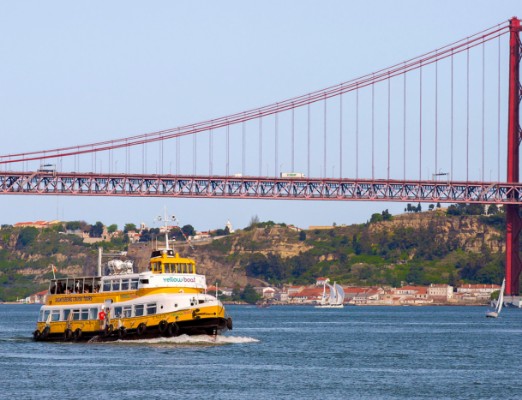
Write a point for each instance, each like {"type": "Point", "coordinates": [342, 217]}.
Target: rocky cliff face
{"type": "Point", "coordinates": [471, 234]}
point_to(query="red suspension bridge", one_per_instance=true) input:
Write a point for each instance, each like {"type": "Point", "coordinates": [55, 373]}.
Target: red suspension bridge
{"type": "Point", "coordinates": [429, 129]}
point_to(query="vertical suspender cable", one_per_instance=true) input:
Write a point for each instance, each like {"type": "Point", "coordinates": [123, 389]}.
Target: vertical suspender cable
{"type": "Point", "coordinates": [498, 114]}
{"type": "Point", "coordinates": [243, 148]}
{"type": "Point", "coordinates": [260, 145]}
{"type": "Point", "coordinates": [373, 129]}
{"type": "Point", "coordinates": [340, 135]}
{"type": "Point", "coordinates": [210, 152]}
{"type": "Point", "coordinates": [389, 91]}
{"type": "Point", "coordinates": [436, 117]}
{"type": "Point", "coordinates": [227, 165]}
{"type": "Point", "coordinates": [276, 159]}
{"type": "Point", "coordinates": [308, 159]}
{"type": "Point", "coordinates": [178, 154]}
{"type": "Point", "coordinates": [293, 137]}
{"type": "Point", "coordinates": [357, 132]}
{"type": "Point", "coordinates": [451, 117]}
{"type": "Point", "coordinates": [483, 102]}
{"type": "Point", "coordinates": [420, 121]}
{"type": "Point", "coordinates": [324, 149]}
{"type": "Point", "coordinates": [404, 133]}
{"type": "Point", "coordinates": [467, 115]}
{"type": "Point", "coordinates": [194, 156]}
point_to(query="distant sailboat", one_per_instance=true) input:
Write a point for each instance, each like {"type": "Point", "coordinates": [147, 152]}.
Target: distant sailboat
{"type": "Point", "coordinates": [500, 302]}
{"type": "Point", "coordinates": [336, 297]}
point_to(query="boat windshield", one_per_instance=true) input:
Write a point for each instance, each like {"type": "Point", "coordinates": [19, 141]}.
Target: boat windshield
{"type": "Point", "coordinates": [159, 267]}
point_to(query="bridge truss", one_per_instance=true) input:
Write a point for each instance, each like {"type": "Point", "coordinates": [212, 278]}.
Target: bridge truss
{"type": "Point", "coordinates": [258, 188]}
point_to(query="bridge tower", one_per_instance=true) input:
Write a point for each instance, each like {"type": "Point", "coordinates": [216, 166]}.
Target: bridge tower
{"type": "Point", "coordinates": [513, 220]}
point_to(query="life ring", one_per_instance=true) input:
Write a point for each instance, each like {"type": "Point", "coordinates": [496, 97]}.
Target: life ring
{"type": "Point", "coordinates": [77, 334]}
{"type": "Point", "coordinates": [45, 332]}
{"type": "Point", "coordinates": [36, 335]}
{"type": "Point", "coordinates": [108, 330]}
{"type": "Point", "coordinates": [163, 325]}
{"type": "Point", "coordinates": [229, 323]}
{"type": "Point", "coordinates": [67, 334]}
{"type": "Point", "coordinates": [141, 329]}
{"type": "Point", "coordinates": [173, 329]}
{"type": "Point", "coordinates": [101, 315]}
{"type": "Point", "coordinates": [122, 332]}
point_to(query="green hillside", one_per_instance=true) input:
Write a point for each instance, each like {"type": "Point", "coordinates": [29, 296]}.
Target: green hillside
{"type": "Point", "coordinates": [457, 245]}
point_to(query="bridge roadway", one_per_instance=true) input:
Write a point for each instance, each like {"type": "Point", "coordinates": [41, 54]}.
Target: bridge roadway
{"type": "Point", "coordinates": [143, 185]}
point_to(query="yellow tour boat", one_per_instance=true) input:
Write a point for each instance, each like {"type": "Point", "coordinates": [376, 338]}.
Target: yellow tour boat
{"type": "Point", "coordinates": [169, 299]}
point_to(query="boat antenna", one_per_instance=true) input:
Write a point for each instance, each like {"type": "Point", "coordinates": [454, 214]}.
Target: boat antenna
{"type": "Point", "coordinates": [166, 219]}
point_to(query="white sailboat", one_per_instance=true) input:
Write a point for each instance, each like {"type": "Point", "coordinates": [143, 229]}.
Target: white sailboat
{"type": "Point", "coordinates": [335, 298]}
{"type": "Point", "coordinates": [500, 302]}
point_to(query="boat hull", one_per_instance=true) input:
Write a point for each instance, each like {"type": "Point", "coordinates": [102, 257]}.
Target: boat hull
{"type": "Point", "coordinates": [209, 320]}
{"type": "Point", "coordinates": [110, 332]}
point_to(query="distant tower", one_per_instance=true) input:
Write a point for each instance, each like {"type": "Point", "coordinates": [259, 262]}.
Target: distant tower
{"type": "Point", "coordinates": [229, 226]}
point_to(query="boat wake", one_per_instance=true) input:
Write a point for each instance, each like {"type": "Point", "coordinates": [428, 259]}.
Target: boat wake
{"type": "Point", "coordinates": [183, 340]}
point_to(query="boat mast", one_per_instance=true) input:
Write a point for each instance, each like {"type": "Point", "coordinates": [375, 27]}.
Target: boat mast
{"type": "Point", "coordinates": [166, 219]}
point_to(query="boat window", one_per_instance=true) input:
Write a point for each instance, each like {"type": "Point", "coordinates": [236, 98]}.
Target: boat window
{"type": "Point", "coordinates": [156, 267]}
{"type": "Point", "coordinates": [55, 315]}
{"type": "Point", "coordinates": [127, 311]}
{"type": "Point", "coordinates": [42, 316]}
{"type": "Point", "coordinates": [138, 310]}
{"type": "Point", "coordinates": [145, 281]}
{"type": "Point", "coordinates": [134, 283]}
{"type": "Point", "coordinates": [66, 314]}
{"type": "Point", "coordinates": [93, 313]}
{"type": "Point", "coordinates": [124, 284]}
{"type": "Point", "coordinates": [85, 313]}
{"type": "Point", "coordinates": [107, 286]}
{"type": "Point", "coordinates": [151, 308]}
{"type": "Point", "coordinates": [115, 285]}
{"type": "Point", "coordinates": [76, 315]}
{"type": "Point", "coordinates": [117, 312]}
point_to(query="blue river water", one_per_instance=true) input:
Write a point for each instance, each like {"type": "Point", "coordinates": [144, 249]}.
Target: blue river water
{"type": "Point", "coordinates": [280, 353]}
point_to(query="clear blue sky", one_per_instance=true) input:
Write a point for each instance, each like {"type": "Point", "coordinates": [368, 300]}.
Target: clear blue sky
{"type": "Point", "coordinates": [79, 72]}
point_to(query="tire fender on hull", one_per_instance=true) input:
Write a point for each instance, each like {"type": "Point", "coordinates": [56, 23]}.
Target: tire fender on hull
{"type": "Point", "coordinates": [67, 334]}
{"type": "Point", "coordinates": [77, 335]}
{"type": "Point", "coordinates": [172, 329]}
{"type": "Point", "coordinates": [163, 326]}
{"type": "Point", "coordinates": [122, 332]}
{"type": "Point", "coordinates": [141, 329]}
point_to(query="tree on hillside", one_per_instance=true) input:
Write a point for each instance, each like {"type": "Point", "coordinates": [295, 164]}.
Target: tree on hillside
{"type": "Point", "coordinates": [376, 217]}
{"type": "Point", "coordinates": [112, 228]}
{"type": "Point", "coordinates": [129, 227]}
{"type": "Point", "coordinates": [74, 225]}
{"type": "Point", "coordinates": [249, 295]}
{"type": "Point", "coordinates": [96, 230]}
{"type": "Point", "coordinates": [27, 236]}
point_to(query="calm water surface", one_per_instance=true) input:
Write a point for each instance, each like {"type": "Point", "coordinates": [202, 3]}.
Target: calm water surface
{"type": "Point", "coordinates": [280, 353]}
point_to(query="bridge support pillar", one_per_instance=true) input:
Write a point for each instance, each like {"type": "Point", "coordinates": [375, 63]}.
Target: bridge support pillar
{"type": "Point", "coordinates": [513, 220]}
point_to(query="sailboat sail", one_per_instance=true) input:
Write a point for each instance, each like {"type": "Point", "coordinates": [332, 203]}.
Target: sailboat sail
{"type": "Point", "coordinates": [500, 302]}
{"type": "Point", "coordinates": [333, 294]}
{"type": "Point", "coordinates": [501, 296]}
{"type": "Point", "coordinates": [340, 294]}
{"type": "Point", "coordinates": [335, 299]}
